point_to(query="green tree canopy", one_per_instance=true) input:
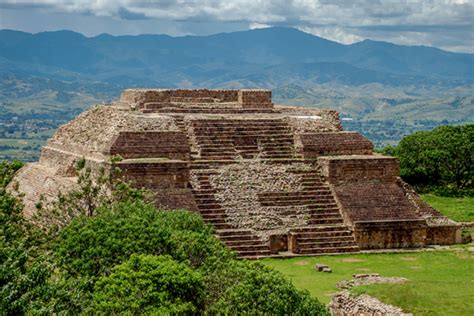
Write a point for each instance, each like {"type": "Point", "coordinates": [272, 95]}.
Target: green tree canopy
{"type": "Point", "coordinates": [441, 157]}
{"type": "Point", "coordinates": [148, 284]}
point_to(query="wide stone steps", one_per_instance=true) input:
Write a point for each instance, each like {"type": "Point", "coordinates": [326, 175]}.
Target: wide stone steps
{"type": "Point", "coordinates": [321, 238]}
{"type": "Point", "coordinates": [328, 250]}
{"type": "Point", "coordinates": [325, 231]}
{"type": "Point", "coordinates": [244, 242]}
{"type": "Point", "coordinates": [339, 236]}
{"type": "Point", "coordinates": [324, 221]}
{"type": "Point", "coordinates": [232, 139]}
{"type": "Point", "coordinates": [319, 204]}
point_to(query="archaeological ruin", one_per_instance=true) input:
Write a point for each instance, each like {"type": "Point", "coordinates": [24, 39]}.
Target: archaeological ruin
{"type": "Point", "coordinates": [272, 180]}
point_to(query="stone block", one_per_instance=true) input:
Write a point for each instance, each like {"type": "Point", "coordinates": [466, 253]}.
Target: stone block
{"type": "Point", "coordinates": [313, 145]}
{"type": "Point", "coordinates": [390, 234]}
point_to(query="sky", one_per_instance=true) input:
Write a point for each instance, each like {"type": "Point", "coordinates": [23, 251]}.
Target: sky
{"type": "Point", "coordinates": [446, 24]}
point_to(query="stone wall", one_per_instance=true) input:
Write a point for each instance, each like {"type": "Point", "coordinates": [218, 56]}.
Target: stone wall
{"type": "Point", "coordinates": [373, 200]}
{"type": "Point", "coordinates": [150, 144]}
{"type": "Point", "coordinates": [386, 234]}
{"type": "Point", "coordinates": [34, 181]}
{"type": "Point", "coordinates": [358, 168]}
{"type": "Point", "coordinates": [250, 99]}
{"type": "Point", "coordinates": [167, 179]}
{"type": "Point", "coordinates": [64, 162]}
{"type": "Point", "coordinates": [244, 98]}
{"type": "Point", "coordinates": [92, 132]}
{"type": "Point", "coordinates": [332, 143]}
{"type": "Point", "coordinates": [443, 235]}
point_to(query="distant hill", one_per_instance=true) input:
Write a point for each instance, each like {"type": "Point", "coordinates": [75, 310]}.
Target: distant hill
{"type": "Point", "coordinates": [382, 89]}
{"type": "Point", "coordinates": [256, 57]}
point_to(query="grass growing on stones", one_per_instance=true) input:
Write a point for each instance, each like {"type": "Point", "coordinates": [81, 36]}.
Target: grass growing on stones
{"type": "Point", "coordinates": [441, 282]}
{"type": "Point", "coordinates": [458, 209]}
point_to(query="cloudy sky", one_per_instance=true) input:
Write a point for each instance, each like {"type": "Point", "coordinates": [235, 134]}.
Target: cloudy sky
{"type": "Point", "coordinates": [447, 24]}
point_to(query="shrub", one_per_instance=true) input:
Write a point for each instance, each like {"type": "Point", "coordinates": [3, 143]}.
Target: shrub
{"type": "Point", "coordinates": [93, 245]}
{"type": "Point", "coordinates": [441, 157]}
{"type": "Point", "coordinates": [149, 284]}
{"type": "Point", "coordinates": [243, 287]}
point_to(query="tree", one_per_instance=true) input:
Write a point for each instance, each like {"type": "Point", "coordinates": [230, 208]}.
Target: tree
{"type": "Point", "coordinates": [148, 284]}
{"type": "Point", "coordinates": [93, 245]}
{"type": "Point", "coordinates": [243, 287]}
{"type": "Point", "coordinates": [441, 157]}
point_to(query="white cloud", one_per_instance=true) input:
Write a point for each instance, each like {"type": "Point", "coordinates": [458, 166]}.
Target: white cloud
{"type": "Point", "coordinates": [255, 25]}
{"type": "Point", "coordinates": [333, 33]}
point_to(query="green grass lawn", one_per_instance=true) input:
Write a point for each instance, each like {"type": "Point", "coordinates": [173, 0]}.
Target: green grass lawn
{"type": "Point", "coordinates": [458, 209]}
{"type": "Point", "coordinates": [441, 282]}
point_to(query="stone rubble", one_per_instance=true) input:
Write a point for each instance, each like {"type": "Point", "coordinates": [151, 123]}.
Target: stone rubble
{"type": "Point", "coordinates": [238, 186]}
{"type": "Point", "coordinates": [371, 278]}
{"type": "Point", "coordinates": [344, 303]}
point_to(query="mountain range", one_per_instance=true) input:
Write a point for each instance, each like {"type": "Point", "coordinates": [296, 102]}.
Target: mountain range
{"type": "Point", "coordinates": [266, 57]}
{"type": "Point", "coordinates": [374, 84]}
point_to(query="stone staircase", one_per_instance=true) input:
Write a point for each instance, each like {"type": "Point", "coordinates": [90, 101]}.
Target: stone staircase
{"type": "Point", "coordinates": [325, 232]}
{"type": "Point", "coordinates": [243, 241]}
{"type": "Point", "coordinates": [222, 142]}
{"type": "Point", "coordinates": [247, 139]}
{"type": "Point", "coordinates": [322, 239]}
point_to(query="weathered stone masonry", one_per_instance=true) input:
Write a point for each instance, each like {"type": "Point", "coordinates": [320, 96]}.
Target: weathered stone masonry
{"type": "Point", "coordinates": [272, 180]}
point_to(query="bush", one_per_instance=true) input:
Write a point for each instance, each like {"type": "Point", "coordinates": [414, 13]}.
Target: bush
{"type": "Point", "coordinates": [93, 245]}
{"type": "Point", "coordinates": [443, 157]}
{"type": "Point", "coordinates": [127, 257]}
{"type": "Point", "coordinates": [149, 284]}
{"type": "Point", "coordinates": [243, 287]}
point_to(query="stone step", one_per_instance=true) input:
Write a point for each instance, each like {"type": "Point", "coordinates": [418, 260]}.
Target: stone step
{"type": "Point", "coordinates": [222, 226]}
{"type": "Point", "coordinates": [309, 239]}
{"type": "Point", "coordinates": [320, 228]}
{"type": "Point", "coordinates": [238, 238]}
{"type": "Point", "coordinates": [218, 152]}
{"type": "Point", "coordinates": [210, 206]}
{"type": "Point", "coordinates": [261, 135]}
{"type": "Point", "coordinates": [328, 250]}
{"type": "Point", "coordinates": [240, 125]}
{"type": "Point", "coordinates": [251, 247]}
{"type": "Point", "coordinates": [254, 253]}
{"type": "Point", "coordinates": [320, 204]}
{"type": "Point", "coordinates": [325, 213]}
{"type": "Point", "coordinates": [248, 132]}
{"type": "Point", "coordinates": [213, 211]}
{"type": "Point", "coordinates": [315, 192]}
{"type": "Point", "coordinates": [325, 244]}
{"type": "Point", "coordinates": [205, 191]}
{"type": "Point", "coordinates": [233, 232]}
{"type": "Point", "coordinates": [233, 240]}
{"type": "Point", "coordinates": [215, 221]}
{"type": "Point", "coordinates": [214, 216]}
{"type": "Point", "coordinates": [327, 234]}
{"type": "Point", "coordinates": [211, 157]}
{"type": "Point", "coordinates": [322, 221]}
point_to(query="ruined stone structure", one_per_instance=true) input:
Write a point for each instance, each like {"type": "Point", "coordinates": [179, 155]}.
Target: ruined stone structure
{"type": "Point", "coordinates": [272, 180]}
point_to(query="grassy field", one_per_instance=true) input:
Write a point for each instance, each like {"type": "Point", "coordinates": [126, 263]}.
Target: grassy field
{"type": "Point", "coordinates": [458, 209]}
{"type": "Point", "coordinates": [441, 282]}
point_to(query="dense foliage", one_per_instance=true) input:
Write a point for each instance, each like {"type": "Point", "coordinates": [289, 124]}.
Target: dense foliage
{"type": "Point", "coordinates": [443, 157]}
{"type": "Point", "coordinates": [127, 257]}
{"type": "Point", "coordinates": [149, 284]}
